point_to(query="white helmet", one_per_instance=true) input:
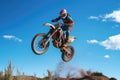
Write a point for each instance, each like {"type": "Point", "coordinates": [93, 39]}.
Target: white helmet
{"type": "Point", "coordinates": [63, 13]}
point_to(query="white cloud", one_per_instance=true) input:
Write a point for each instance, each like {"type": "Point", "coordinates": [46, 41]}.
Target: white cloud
{"type": "Point", "coordinates": [92, 41]}
{"type": "Point", "coordinates": [93, 17]}
{"type": "Point", "coordinates": [114, 16]}
{"type": "Point", "coordinates": [113, 42]}
{"type": "Point", "coordinates": [106, 56]}
{"type": "Point", "coordinates": [8, 36]}
{"type": "Point", "coordinates": [11, 37]}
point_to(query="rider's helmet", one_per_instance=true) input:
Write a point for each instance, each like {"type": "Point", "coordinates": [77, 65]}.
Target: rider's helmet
{"type": "Point", "coordinates": [63, 13]}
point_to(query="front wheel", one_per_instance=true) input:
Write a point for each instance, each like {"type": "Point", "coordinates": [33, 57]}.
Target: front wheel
{"type": "Point", "coordinates": [38, 42]}
{"type": "Point", "coordinates": [67, 53]}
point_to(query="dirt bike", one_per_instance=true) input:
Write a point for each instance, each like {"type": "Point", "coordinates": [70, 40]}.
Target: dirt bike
{"type": "Point", "coordinates": [41, 41]}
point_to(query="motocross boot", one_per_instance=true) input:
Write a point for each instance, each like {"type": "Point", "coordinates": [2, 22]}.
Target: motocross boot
{"type": "Point", "coordinates": [66, 39]}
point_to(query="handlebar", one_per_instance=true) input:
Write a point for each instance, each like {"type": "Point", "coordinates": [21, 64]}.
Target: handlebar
{"type": "Point", "coordinates": [58, 24]}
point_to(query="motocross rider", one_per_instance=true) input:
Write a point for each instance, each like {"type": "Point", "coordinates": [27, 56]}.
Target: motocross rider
{"type": "Point", "coordinates": [68, 23]}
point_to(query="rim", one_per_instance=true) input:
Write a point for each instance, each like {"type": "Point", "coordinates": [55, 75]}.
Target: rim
{"type": "Point", "coordinates": [68, 56]}
{"type": "Point", "coordinates": [38, 44]}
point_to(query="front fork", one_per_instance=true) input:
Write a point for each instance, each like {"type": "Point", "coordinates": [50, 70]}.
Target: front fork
{"type": "Point", "coordinates": [48, 36]}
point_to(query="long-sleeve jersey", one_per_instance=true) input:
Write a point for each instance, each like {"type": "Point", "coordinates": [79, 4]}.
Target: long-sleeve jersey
{"type": "Point", "coordinates": [67, 21]}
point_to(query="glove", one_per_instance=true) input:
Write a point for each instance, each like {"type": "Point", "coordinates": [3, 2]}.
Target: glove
{"type": "Point", "coordinates": [53, 20]}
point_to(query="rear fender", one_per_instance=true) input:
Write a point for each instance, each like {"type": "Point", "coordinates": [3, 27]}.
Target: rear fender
{"type": "Point", "coordinates": [71, 39]}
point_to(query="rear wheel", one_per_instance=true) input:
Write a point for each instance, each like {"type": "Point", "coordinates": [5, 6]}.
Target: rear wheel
{"type": "Point", "coordinates": [67, 53]}
{"type": "Point", "coordinates": [38, 44]}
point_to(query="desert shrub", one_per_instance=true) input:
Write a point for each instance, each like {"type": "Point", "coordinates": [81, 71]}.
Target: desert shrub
{"type": "Point", "coordinates": [112, 78]}
{"type": "Point", "coordinates": [8, 72]}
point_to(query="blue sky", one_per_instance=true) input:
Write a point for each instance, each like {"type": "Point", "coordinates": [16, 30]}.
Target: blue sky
{"type": "Point", "coordinates": [97, 28]}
